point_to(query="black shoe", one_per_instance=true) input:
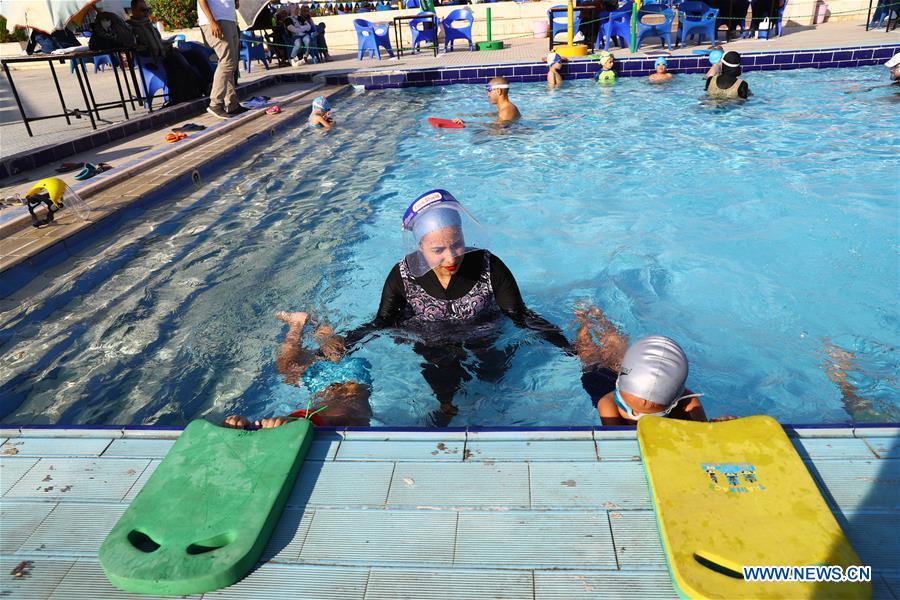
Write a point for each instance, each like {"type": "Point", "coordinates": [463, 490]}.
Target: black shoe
{"type": "Point", "coordinates": [237, 111]}
{"type": "Point", "coordinates": [217, 111]}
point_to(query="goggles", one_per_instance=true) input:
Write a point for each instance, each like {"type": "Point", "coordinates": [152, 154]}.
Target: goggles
{"type": "Point", "coordinates": [629, 412]}
{"type": "Point", "coordinates": [497, 86]}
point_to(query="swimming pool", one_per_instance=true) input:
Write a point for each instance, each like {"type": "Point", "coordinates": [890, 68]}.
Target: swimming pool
{"type": "Point", "coordinates": [752, 234]}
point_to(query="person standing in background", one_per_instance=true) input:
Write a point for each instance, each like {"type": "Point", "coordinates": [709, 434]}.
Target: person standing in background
{"type": "Point", "coordinates": [218, 20]}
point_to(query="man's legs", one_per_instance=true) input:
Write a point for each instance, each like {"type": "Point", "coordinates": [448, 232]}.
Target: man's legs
{"type": "Point", "coordinates": [223, 94]}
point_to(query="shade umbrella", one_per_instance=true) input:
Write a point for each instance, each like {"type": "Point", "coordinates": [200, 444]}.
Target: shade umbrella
{"type": "Point", "coordinates": [249, 10]}
{"type": "Point", "coordinates": [49, 15]}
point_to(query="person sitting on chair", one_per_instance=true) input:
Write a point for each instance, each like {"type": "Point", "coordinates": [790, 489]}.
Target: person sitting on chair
{"type": "Point", "coordinates": [188, 75]}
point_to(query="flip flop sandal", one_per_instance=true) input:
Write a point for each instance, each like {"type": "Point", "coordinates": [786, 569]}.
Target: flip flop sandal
{"type": "Point", "coordinates": [87, 172]}
{"type": "Point", "coordinates": [69, 167]}
{"type": "Point", "coordinates": [175, 137]}
{"type": "Point", "coordinates": [274, 110]}
{"type": "Point", "coordinates": [188, 127]}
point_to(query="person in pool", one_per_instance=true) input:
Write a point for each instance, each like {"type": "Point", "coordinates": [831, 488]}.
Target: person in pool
{"type": "Point", "coordinates": [661, 75]}
{"type": "Point", "coordinates": [340, 385]}
{"type": "Point", "coordinates": [448, 291]}
{"type": "Point", "coordinates": [554, 67]}
{"type": "Point", "coordinates": [320, 114]}
{"type": "Point", "coordinates": [723, 78]}
{"type": "Point", "coordinates": [607, 74]}
{"type": "Point", "coordinates": [498, 94]}
{"type": "Point", "coordinates": [625, 385]}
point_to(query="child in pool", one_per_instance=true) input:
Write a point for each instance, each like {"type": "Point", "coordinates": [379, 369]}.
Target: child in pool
{"type": "Point", "coordinates": [320, 115]}
{"type": "Point", "coordinates": [341, 385]}
{"type": "Point", "coordinates": [554, 67]}
{"type": "Point", "coordinates": [626, 385]}
{"type": "Point", "coordinates": [661, 75]}
{"type": "Point", "coordinates": [607, 64]}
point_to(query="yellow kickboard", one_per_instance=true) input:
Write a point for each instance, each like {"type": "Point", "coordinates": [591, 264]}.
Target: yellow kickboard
{"type": "Point", "coordinates": [736, 494]}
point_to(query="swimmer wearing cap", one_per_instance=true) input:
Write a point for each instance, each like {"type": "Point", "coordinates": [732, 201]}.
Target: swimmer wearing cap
{"type": "Point", "coordinates": [661, 74]}
{"type": "Point", "coordinates": [627, 385]}
{"type": "Point", "coordinates": [554, 69]}
{"type": "Point", "coordinates": [607, 74]}
{"type": "Point", "coordinates": [451, 291]}
{"type": "Point", "coordinates": [498, 94]}
{"type": "Point", "coordinates": [723, 79]}
{"type": "Point", "coordinates": [320, 113]}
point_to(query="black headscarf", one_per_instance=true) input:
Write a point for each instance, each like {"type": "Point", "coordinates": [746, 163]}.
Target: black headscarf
{"type": "Point", "coordinates": [729, 73]}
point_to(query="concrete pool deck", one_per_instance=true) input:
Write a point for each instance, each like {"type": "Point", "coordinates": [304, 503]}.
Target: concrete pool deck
{"type": "Point", "coordinates": [421, 514]}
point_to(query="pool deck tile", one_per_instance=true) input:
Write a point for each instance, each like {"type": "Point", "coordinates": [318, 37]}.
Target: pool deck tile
{"type": "Point", "coordinates": [448, 584]}
{"type": "Point", "coordinates": [363, 524]}
{"type": "Point", "coordinates": [580, 540]}
{"type": "Point", "coordinates": [48, 447]}
{"type": "Point", "coordinates": [590, 585]}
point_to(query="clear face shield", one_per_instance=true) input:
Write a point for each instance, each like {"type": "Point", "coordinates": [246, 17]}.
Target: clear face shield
{"type": "Point", "coordinates": [437, 233]}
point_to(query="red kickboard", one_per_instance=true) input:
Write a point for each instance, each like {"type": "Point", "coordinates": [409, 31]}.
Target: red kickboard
{"type": "Point", "coordinates": [444, 123]}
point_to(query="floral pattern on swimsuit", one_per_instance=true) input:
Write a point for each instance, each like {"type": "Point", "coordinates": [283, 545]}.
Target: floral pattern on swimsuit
{"type": "Point", "coordinates": [422, 307]}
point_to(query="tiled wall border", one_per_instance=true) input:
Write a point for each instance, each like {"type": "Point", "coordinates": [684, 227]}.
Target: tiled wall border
{"type": "Point", "coordinates": [819, 58]}
{"type": "Point", "coordinates": [32, 159]}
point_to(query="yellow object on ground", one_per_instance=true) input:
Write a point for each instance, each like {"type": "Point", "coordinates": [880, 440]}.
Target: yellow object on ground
{"type": "Point", "coordinates": [735, 494]}
{"type": "Point", "coordinates": [52, 186]}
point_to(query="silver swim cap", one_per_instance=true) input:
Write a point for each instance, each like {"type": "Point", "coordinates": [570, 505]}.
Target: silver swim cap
{"type": "Point", "coordinates": [654, 368]}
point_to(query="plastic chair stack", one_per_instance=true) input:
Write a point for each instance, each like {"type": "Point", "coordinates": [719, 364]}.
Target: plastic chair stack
{"type": "Point", "coordinates": [778, 19]}
{"type": "Point", "coordinates": [661, 30]}
{"type": "Point", "coordinates": [559, 21]}
{"type": "Point", "coordinates": [252, 49]}
{"type": "Point", "coordinates": [617, 29]}
{"type": "Point", "coordinates": [696, 18]}
{"type": "Point", "coordinates": [423, 29]}
{"type": "Point", "coordinates": [454, 30]}
{"type": "Point", "coordinates": [371, 36]}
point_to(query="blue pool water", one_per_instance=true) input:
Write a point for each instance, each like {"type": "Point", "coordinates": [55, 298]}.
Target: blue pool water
{"type": "Point", "coordinates": [754, 234]}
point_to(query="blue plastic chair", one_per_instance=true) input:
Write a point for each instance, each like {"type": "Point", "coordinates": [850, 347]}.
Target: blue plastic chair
{"type": "Point", "coordinates": [661, 30]}
{"type": "Point", "coordinates": [696, 18]}
{"type": "Point", "coordinates": [369, 36]}
{"type": "Point", "coordinates": [423, 29]}
{"type": "Point", "coordinates": [154, 78]}
{"type": "Point", "coordinates": [412, 4]}
{"type": "Point", "coordinates": [252, 49]}
{"type": "Point", "coordinates": [452, 33]}
{"type": "Point", "coordinates": [617, 29]}
{"type": "Point", "coordinates": [559, 21]}
{"type": "Point", "coordinates": [100, 63]}
{"type": "Point", "coordinates": [382, 6]}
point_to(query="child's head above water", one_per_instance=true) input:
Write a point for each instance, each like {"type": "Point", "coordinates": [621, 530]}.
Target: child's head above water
{"type": "Point", "coordinates": [606, 60]}
{"type": "Point", "coordinates": [321, 105]}
{"type": "Point", "coordinates": [661, 65]}
{"type": "Point", "coordinates": [651, 378]}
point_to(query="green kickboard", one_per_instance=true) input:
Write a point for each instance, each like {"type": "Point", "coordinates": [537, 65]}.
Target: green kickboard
{"type": "Point", "coordinates": [204, 517]}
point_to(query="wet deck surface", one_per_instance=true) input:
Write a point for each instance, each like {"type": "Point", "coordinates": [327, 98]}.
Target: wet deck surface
{"type": "Point", "coordinates": [389, 515]}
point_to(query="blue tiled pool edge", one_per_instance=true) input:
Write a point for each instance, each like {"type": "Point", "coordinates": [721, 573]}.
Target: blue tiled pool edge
{"type": "Point", "coordinates": [819, 58]}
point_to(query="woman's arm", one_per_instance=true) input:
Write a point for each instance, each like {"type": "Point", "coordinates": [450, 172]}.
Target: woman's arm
{"type": "Point", "coordinates": [509, 299]}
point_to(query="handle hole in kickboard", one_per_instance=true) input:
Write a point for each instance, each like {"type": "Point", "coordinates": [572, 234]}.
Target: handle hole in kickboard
{"type": "Point", "coordinates": [211, 544]}
{"type": "Point", "coordinates": [142, 541]}
{"type": "Point", "coordinates": [718, 568]}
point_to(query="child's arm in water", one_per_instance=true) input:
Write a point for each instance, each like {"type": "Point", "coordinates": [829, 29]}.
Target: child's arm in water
{"type": "Point", "coordinates": [321, 120]}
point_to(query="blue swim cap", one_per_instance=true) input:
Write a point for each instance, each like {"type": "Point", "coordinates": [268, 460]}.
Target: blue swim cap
{"type": "Point", "coordinates": [661, 61]}
{"type": "Point", "coordinates": [321, 103]}
{"type": "Point", "coordinates": [715, 56]}
{"type": "Point", "coordinates": [433, 219]}
{"type": "Point", "coordinates": [433, 210]}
